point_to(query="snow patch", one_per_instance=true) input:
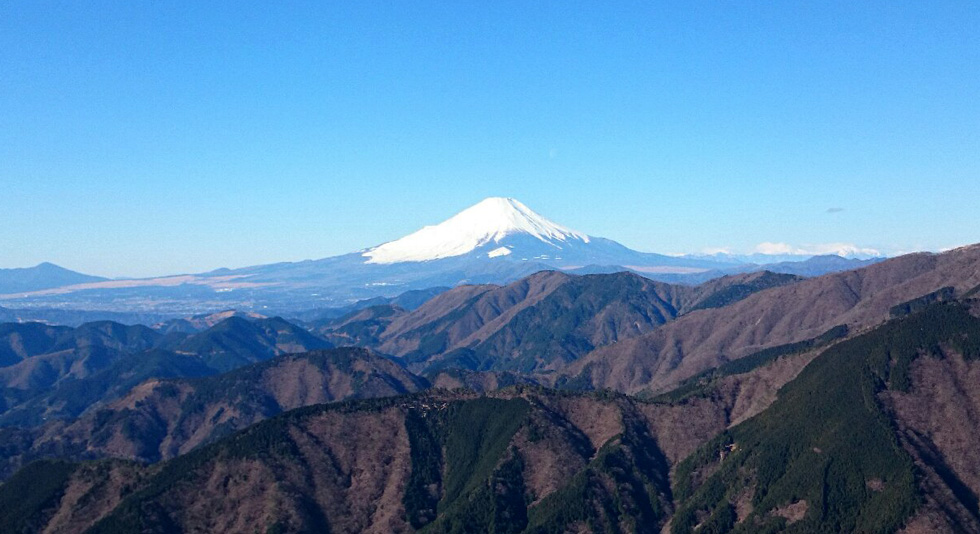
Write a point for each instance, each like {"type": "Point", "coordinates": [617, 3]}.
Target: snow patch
{"type": "Point", "coordinates": [845, 250]}
{"type": "Point", "coordinates": [486, 222]}
{"type": "Point", "coordinates": [502, 251]}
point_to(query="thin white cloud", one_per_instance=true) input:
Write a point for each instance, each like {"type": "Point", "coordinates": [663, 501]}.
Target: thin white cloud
{"type": "Point", "coordinates": [818, 249]}
{"type": "Point", "coordinates": [777, 248]}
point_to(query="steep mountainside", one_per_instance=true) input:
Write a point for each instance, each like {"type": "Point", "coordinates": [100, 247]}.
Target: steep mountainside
{"type": "Point", "coordinates": [168, 411]}
{"type": "Point", "coordinates": [727, 290]}
{"type": "Point", "coordinates": [477, 381]}
{"type": "Point", "coordinates": [707, 338]}
{"type": "Point", "coordinates": [825, 456]}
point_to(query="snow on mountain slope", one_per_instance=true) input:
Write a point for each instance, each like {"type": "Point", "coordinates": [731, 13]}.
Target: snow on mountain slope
{"type": "Point", "coordinates": [489, 221]}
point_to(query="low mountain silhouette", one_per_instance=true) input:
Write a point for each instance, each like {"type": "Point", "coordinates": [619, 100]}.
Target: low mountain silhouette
{"type": "Point", "coordinates": [496, 241]}
{"type": "Point", "coordinates": [40, 277]}
{"type": "Point", "coordinates": [236, 341]}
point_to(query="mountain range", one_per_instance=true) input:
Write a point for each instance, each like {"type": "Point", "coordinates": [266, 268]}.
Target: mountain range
{"type": "Point", "coordinates": [497, 240]}
{"type": "Point", "coordinates": [603, 390]}
{"type": "Point", "coordinates": [852, 437]}
{"type": "Point", "coordinates": [555, 403]}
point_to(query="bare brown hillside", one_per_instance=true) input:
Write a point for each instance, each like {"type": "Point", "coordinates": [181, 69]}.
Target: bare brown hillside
{"type": "Point", "coordinates": [528, 459]}
{"type": "Point", "coordinates": [350, 468]}
{"type": "Point", "coordinates": [937, 422]}
{"type": "Point", "coordinates": [538, 323]}
{"type": "Point", "coordinates": [467, 313]}
{"type": "Point", "coordinates": [706, 338]}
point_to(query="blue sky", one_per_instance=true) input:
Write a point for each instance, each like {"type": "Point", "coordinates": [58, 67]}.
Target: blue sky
{"type": "Point", "coordinates": [145, 138]}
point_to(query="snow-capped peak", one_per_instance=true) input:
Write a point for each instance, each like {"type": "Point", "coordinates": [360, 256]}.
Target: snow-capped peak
{"type": "Point", "coordinates": [488, 221]}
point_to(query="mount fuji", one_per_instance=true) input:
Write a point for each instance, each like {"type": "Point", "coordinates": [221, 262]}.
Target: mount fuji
{"type": "Point", "coordinates": [492, 223]}
{"type": "Point", "coordinates": [505, 229]}
{"type": "Point", "coordinates": [497, 240]}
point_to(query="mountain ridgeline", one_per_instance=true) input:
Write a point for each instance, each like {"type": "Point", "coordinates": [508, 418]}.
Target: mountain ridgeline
{"type": "Point", "coordinates": [539, 323]}
{"type": "Point", "coordinates": [755, 402]}
{"type": "Point", "coordinates": [496, 241]}
{"type": "Point", "coordinates": [58, 372]}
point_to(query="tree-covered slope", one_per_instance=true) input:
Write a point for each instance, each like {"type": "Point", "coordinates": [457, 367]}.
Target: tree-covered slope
{"type": "Point", "coordinates": [825, 456]}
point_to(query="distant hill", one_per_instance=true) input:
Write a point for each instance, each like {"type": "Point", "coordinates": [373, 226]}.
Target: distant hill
{"type": "Point", "coordinates": [42, 276]}
{"type": "Point", "coordinates": [76, 317]}
{"type": "Point", "coordinates": [72, 397]}
{"type": "Point", "coordinates": [539, 323]}
{"type": "Point", "coordinates": [820, 265]}
{"type": "Point", "coordinates": [237, 341]}
{"type": "Point", "coordinates": [162, 418]}
{"type": "Point", "coordinates": [799, 265]}
{"type": "Point", "coordinates": [23, 344]}
{"type": "Point", "coordinates": [200, 322]}
{"type": "Point", "coordinates": [707, 338]}
{"type": "Point", "coordinates": [51, 372]}
{"type": "Point", "coordinates": [408, 300]}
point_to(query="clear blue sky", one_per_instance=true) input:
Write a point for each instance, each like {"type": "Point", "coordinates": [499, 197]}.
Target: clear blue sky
{"type": "Point", "coordinates": [144, 138]}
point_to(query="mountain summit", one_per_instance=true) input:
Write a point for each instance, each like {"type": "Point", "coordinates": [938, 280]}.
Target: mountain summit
{"type": "Point", "coordinates": [42, 276]}
{"type": "Point", "coordinates": [489, 222]}
{"type": "Point", "coordinates": [495, 241]}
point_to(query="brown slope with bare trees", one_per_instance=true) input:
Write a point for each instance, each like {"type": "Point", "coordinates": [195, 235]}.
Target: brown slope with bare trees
{"type": "Point", "coordinates": [707, 338]}
{"type": "Point", "coordinates": [541, 322]}
{"type": "Point", "coordinates": [163, 418]}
